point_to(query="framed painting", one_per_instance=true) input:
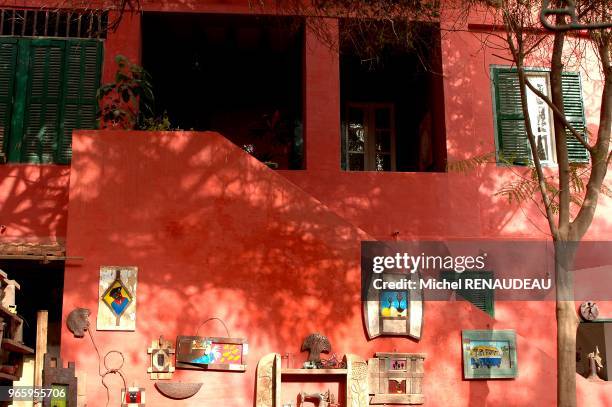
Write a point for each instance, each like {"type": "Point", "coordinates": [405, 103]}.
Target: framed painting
{"type": "Point", "coordinates": [117, 298]}
{"type": "Point", "coordinates": [161, 360]}
{"type": "Point", "coordinates": [133, 397]}
{"type": "Point", "coordinates": [393, 312]}
{"type": "Point", "coordinates": [211, 353]}
{"type": "Point", "coordinates": [489, 354]}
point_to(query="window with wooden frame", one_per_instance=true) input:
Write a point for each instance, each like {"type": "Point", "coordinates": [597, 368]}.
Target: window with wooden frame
{"type": "Point", "coordinates": [369, 139]}
{"type": "Point", "coordinates": [483, 299]}
{"type": "Point", "coordinates": [511, 137]}
{"type": "Point", "coordinates": [47, 89]}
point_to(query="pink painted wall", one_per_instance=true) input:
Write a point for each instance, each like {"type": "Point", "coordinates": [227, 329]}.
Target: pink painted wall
{"type": "Point", "coordinates": [370, 200]}
{"type": "Point", "coordinates": [414, 204]}
{"type": "Point", "coordinates": [33, 202]}
{"type": "Point", "coordinates": [215, 233]}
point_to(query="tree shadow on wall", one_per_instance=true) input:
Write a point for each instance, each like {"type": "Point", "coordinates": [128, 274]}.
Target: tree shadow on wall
{"type": "Point", "coordinates": [214, 233]}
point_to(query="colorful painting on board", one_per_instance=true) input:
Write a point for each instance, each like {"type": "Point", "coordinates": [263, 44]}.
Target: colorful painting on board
{"type": "Point", "coordinates": [489, 354]}
{"type": "Point", "coordinates": [216, 352]}
{"type": "Point", "coordinates": [211, 353]}
{"type": "Point", "coordinates": [117, 305]}
{"type": "Point", "coordinates": [117, 298]}
{"type": "Point", "coordinates": [394, 304]}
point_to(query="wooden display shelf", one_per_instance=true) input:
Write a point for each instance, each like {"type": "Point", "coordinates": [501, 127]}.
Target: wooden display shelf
{"type": "Point", "coordinates": [353, 380]}
{"type": "Point", "coordinates": [14, 346]}
{"type": "Point", "coordinates": [8, 313]}
{"type": "Point", "coordinates": [6, 376]}
{"type": "Point", "coordinates": [314, 371]}
{"type": "Point", "coordinates": [397, 399]}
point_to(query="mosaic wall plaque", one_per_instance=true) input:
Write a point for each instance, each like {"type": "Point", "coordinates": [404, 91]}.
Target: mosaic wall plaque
{"type": "Point", "coordinates": [117, 298]}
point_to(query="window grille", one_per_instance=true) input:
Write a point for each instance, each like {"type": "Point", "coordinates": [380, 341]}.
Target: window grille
{"type": "Point", "coordinates": [53, 23]}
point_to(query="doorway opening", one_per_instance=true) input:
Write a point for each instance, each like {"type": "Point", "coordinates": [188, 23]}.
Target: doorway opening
{"type": "Point", "coordinates": [392, 103]}
{"type": "Point", "coordinates": [235, 74]}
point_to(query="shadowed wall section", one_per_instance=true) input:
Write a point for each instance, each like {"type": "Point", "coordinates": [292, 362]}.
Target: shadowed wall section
{"type": "Point", "coordinates": [216, 233]}
{"type": "Point", "coordinates": [276, 254]}
{"type": "Point", "coordinates": [33, 202]}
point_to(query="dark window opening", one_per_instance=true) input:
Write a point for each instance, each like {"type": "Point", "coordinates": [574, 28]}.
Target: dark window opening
{"type": "Point", "coordinates": [392, 103]}
{"type": "Point", "coordinates": [41, 288]}
{"type": "Point", "coordinates": [238, 75]}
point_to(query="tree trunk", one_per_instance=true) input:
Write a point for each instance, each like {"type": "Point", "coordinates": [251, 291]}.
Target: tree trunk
{"type": "Point", "coordinates": [556, 90]}
{"type": "Point", "coordinates": [567, 324]}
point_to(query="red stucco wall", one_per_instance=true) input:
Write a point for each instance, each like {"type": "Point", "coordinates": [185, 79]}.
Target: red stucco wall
{"type": "Point", "coordinates": [33, 202]}
{"type": "Point", "coordinates": [418, 204]}
{"type": "Point", "coordinates": [216, 233]}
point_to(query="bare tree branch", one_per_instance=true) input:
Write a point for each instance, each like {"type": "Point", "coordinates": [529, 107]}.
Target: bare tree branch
{"type": "Point", "coordinates": [560, 116]}
{"type": "Point", "coordinates": [601, 159]}
{"type": "Point", "coordinates": [503, 58]}
{"type": "Point", "coordinates": [556, 70]}
{"type": "Point", "coordinates": [518, 56]}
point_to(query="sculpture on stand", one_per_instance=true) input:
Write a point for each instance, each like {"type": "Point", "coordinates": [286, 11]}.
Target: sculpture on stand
{"type": "Point", "coordinates": [315, 344]}
{"type": "Point", "coordinates": [594, 365]}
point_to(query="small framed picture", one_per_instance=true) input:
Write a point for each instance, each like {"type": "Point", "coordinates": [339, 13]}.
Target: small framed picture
{"type": "Point", "coordinates": [489, 354]}
{"type": "Point", "coordinates": [398, 364]}
{"type": "Point", "coordinates": [207, 353]}
{"type": "Point", "coordinates": [133, 397]}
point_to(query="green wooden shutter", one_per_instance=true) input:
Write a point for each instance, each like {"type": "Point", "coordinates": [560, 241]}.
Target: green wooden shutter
{"type": "Point", "coordinates": [482, 299]}
{"type": "Point", "coordinates": [44, 101]}
{"type": "Point", "coordinates": [574, 113]}
{"type": "Point", "coordinates": [513, 145]}
{"type": "Point", "coordinates": [8, 63]}
{"type": "Point", "coordinates": [82, 78]}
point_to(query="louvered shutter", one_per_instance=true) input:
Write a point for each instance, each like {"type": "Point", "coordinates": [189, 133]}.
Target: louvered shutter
{"type": "Point", "coordinates": [44, 99]}
{"type": "Point", "coordinates": [574, 113]}
{"type": "Point", "coordinates": [511, 135]}
{"type": "Point", "coordinates": [82, 78]}
{"type": "Point", "coordinates": [513, 145]}
{"type": "Point", "coordinates": [483, 298]}
{"type": "Point", "coordinates": [8, 63]}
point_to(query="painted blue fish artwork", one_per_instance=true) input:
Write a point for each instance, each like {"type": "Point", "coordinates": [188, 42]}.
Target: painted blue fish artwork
{"type": "Point", "coordinates": [211, 352]}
